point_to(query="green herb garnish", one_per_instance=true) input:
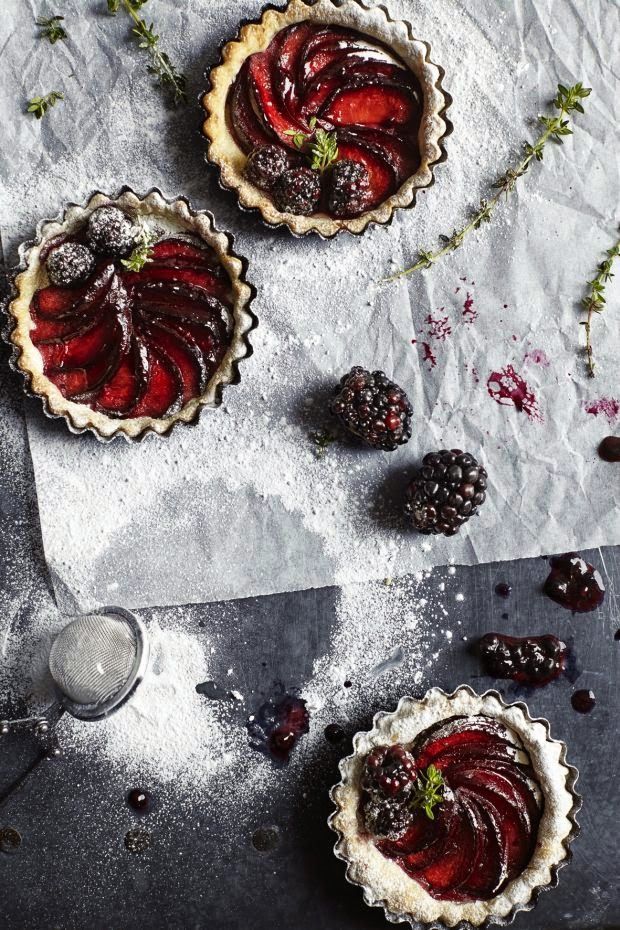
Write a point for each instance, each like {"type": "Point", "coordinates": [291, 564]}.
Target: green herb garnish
{"type": "Point", "coordinates": [322, 439]}
{"type": "Point", "coordinates": [428, 791]}
{"type": "Point", "coordinates": [51, 28]}
{"type": "Point", "coordinates": [160, 65]}
{"type": "Point", "coordinates": [40, 105]}
{"type": "Point", "coordinates": [567, 101]}
{"type": "Point", "coordinates": [142, 251]}
{"type": "Point", "coordinates": [322, 146]}
{"type": "Point", "coordinates": [594, 302]}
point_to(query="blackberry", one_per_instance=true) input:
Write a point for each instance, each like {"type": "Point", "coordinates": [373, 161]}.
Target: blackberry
{"type": "Point", "coordinates": [265, 165]}
{"type": "Point", "coordinates": [347, 186]}
{"type": "Point", "coordinates": [386, 819]}
{"type": "Point", "coordinates": [70, 264]}
{"type": "Point", "coordinates": [445, 492]}
{"type": "Point", "coordinates": [373, 408]}
{"type": "Point", "coordinates": [532, 660]}
{"type": "Point", "coordinates": [111, 231]}
{"type": "Point", "coordinates": [390, 772]}
{"type": "Point", "coordinates": [298, 190]}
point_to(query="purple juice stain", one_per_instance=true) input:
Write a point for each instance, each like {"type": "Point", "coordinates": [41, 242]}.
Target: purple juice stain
{"type": "Point", "coordinates": [574, 584]}
{"type": "Point", "coordinates": [583, 701]}
{"type": "Point", "coordinates": [277, 726]}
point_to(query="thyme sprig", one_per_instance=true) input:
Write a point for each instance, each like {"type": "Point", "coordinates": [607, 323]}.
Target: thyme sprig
{"type": "Point", "coordinates": [594, 301]}
{"type": "Point", "coordinates": [427, 791]}
{"type": "Point", "coordinates": [40, 105]}
{"type": "Point", "coordinates": [142, 251]}
{"type": "Point", "coordinates": [567, 101]}
{"type": "Point", "coordinates": [51, 28]}
{"type": "Point", "coordinates": [322, 146]}
{"type": "Point", "coordinates": [160, 65]}
{"type": "Point", "coordinates": [322, 439]}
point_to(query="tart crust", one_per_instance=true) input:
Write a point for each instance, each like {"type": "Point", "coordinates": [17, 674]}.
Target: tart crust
{"type": "Point", "coordinates": [169, 217]}
{"type": "Point", "coordinates": [383, 881]}
{"type": "Point", "coordinates": [225, 153]}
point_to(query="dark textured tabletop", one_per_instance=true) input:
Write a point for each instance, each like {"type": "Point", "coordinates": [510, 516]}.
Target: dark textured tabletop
{"type": "Point", "coordinates": [204, 873]}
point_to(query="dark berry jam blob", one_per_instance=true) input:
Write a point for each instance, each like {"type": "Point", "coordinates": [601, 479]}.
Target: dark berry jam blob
{"type": "Point", "coordinates": [530, 660]}
{"type": "Point", "coordinates": [110, 231]}
{"type": "Point", "coordinates": [503, 589]}
{"type": "Point", "coordinates": [445, 492]}
{"type": "Point", "coordinates": [278, 725]}
{"type": "Point", "coordinates": [583, 701]}
{"type": "Point", "coordinates": [70, 264]}
{"type": "Point", "coordinates": [334, 733]}
{"type": "Point", "coordinates": [609, 449]}
{"type": "Point", "coordinates": [374, 409]}
{"type": "Point", "coordinates": [484, 829]}
{"type": "Point", "coordinates": [140, 801]}
{"type": "Point", "coordinates": [574, 584]}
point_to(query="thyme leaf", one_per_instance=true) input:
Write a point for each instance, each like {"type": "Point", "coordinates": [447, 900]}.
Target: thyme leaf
{"type": "Point", "coordinates": [566, 101]}
{"type": "Point", "coordinates": [428, 791]}
{"type": "Point", "coordinates": [40, 105]}
{"type": "Point", "coordinates": [322, 146]}
{"type": "Point", "coordinates": [51, 28]}
{"type": "Point", "coordinates": [594, 301]}
{"type": "Point", "coordinates": [142, 251]}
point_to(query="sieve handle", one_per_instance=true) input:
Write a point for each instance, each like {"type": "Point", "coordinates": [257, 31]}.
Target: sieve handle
{"type": "Point", "coordinates": [49, 748]}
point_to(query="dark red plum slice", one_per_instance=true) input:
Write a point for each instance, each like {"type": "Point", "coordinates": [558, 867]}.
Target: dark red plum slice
{"type": "Point", "coordinates": [488, 871]}
{"type": "Point", "coordinates": [57, 303]}
{"type": "Point", "coordinates": [274, 116]}
{"type": "Point", "coordinates": [374, 105]}
{"type": "Point", "coordinates": [189, 364]}
{"type": "Point", "coordinates": [124, 389]}
{"type": "Point", "coordinates": [290, 44]}
{"type": "Point", "coordinates": [419, 836]}
{"type": "Point", "coordinates": [83, 350]}
{"type": "Point", "coordinates": [74, 382]}
{"type": "Point", "coordinates": [208, 311]}
{"type": "Point", "coordinates": [202, 338]}
{"type": "Point", "coordinates": [402, 155]}
{"type": "Point", "coordinates": [250, 130]}
{"type": "Point", "coordinates": [201, 278]}
{"type": "Point", "coordinates": [455, 863]}
{"type": "Point", "coordinates": [382, 180]}
{"type": "Point", "coordinates": [181, 253]}
{"type": "Point", "coordinates": [163, 388]}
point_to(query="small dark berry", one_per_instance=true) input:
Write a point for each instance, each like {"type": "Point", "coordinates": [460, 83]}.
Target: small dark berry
{"type": "Point", "coordinates": [348, 185]}
{"type": "Point", "coordinates": [390, 771]}
{"type": "Point", "coordinates": [111, 232]}
{"type": "Point", "coordinates": [437, 499]}
{"type": "Point", "coordinates": [386, 819]}
{"type": "Point", "coordinates": [70, 264]}
{"type": "Point", "coordinates": [373, 408]}
{"type": "Point", "coordinates": [298, 190]}
{"type": "Point", "coordinates": [265, 165]}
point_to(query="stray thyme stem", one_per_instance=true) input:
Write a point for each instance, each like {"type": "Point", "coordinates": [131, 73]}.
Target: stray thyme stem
{"type": "Point", "coordinates": [594, 302]}
{"type": "Point", "coordinates": [567, 101]}
{"type": "Point", "coordinates": [51, 28]}
{"type": "Point", "coordinates": [161, 66]}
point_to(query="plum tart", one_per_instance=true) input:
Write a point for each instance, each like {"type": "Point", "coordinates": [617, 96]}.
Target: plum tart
{"type": "Point", "coordinates": [326, 117]}
{"type": "Point", "coordinates": [130, 314]}
{"type": "Point", "coordinates": [455, 810]}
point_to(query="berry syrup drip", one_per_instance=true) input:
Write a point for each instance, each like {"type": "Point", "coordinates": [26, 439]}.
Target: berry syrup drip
{"type": "Point", "coordinates": [334, 734]}
{"type": "Point", "coordinates": [609, 449]}
{"type": "Point", "coordinates": [140, 801]}
{"type": "Point", "coordinates": [583, 701]}
{"type": "Point", "coordinates": [503, 589]}
{"type": "Point", "coordinates": [529, 660]}
{"type": "Point", "coordinates": [574, 584]}
{"type": "Point", "coordinates": [137, 343]}
{"type": "Point", "coordinates": [349, 84]}
{"type": "Point", "coordinates": [507, 387]}
{"type": "Point", "coordinates": [485, 828]}
{"type": "Point", "coordinates": [277, 726]}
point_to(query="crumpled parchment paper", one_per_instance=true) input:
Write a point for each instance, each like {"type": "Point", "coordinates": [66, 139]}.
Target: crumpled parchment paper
{"type": "Point", "coordinates": [241, 505]}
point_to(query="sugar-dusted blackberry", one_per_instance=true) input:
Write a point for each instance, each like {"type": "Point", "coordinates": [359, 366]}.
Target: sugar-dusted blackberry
{"type": "Point", "coordinates": [298, 190]}
{"type": "Point", "coordinates": [373, 408]}
{"type": "Point", "coordinates": [110, 231]}
{"type": "Point", "coordinates": [70, 264]}
{"type": "Point", "coordinates": [347, 186]}
{"type": "Point", "coordinates": [390, 771]}
{"type": "Point", "coordinates": [532, 660]}
{"type": "Point", "coordinates": [265, 165]}
{"type": "Point", "coordinates": [445, 492]}
{"type": "Point", "coordinates": [385, 818]}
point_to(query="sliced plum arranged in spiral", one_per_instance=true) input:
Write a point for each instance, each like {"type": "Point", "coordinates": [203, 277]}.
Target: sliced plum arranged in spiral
{"type": "Point", "coordinates": [347, 82]}
{"type": "Point", "coordinates": [137, 343]}
{"type": "Point", "coordinates": [484, 831]}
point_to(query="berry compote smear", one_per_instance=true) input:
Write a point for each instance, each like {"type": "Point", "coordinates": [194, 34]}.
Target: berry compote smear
{"type": "Point", "coordinates": [529, 660]}
{"type": "Point", "coordinates": [323, 77]}
{"type": "Point", "coordinates": [484, 830]}
{"type": "Point", "coordinates": [277, 725]}
{"type": "Point", "coordinates": [574, 584]}
{"type": "Point", "coordinates": [137, 343]}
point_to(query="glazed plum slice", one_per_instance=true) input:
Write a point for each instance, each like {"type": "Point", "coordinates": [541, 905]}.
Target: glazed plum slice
{"type": "Point", "coordinates": [372, 105]}
{"type": "Point", "coordinates": [485, 829]}
{"type": "Point", "coordinates": [137, 343]}
{"type": "Point", "coordinates": [249, 129]}
{"type": "Point", "coordinates": [277, 119]}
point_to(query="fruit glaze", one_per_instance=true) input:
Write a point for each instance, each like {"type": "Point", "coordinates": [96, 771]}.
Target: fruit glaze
{"type": "Point", "coordinates": [484, 830]}
{"type": "Point", "coordinates": [339, 80]}
{"type": "Point", "coordinates": [137, 343]}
